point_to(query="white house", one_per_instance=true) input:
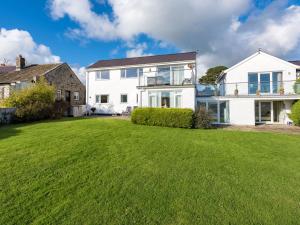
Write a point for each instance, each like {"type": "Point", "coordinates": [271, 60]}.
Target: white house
{"type": "Point", "coordinates": [259, 89]}
{"type": "Point", "coordinates": [114, 86]}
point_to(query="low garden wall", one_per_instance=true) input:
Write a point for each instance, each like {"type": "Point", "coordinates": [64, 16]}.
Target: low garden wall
{"type": "Point", "coordinates": [6, 115]}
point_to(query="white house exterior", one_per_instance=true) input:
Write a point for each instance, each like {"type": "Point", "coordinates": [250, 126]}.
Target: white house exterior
{"type": "Point", "coordinates": [114, 86]}
{"type": "Point", "coordinates": [259, 89]}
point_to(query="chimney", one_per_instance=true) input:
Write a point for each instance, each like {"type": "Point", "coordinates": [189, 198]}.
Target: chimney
{"type": "Point", "coordinates": [20, 63]}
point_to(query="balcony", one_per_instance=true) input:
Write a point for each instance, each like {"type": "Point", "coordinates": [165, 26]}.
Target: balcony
{"type": "Point", "coordinates": [161, 80]}
{"type": "Point", "coordinates": [249, 89]}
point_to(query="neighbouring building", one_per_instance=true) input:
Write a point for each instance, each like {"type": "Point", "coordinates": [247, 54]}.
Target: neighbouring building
{"type": "Point", "coordinates": [114, 86]}
{"type": "Point", "coordinates": [69, 88]}
{"type": "Point", "coordinates": [260, 89]}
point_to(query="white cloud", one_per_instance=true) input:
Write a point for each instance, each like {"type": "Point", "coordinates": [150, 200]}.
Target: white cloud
{"type": "Point", "coordinates": [137, 50]}
{"type": "Point", "coordinates": [80, 72]}
{"type": "Point", "coordinates": [92, 25]}
{"type": "Point", "coordinates": [210, 26]}
{"type": "Point", "coordinates": [14, 42]}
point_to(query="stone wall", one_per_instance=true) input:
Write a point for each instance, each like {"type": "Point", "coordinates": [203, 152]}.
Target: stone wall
{"type": "Point", "coordinates": [64, 79]}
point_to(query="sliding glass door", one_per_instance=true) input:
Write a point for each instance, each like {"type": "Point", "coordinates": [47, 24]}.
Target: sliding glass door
{"type": "Point", "coordinates": [276, 81]}
{"type": "Point", "coordinates": [263, 112]}
{"type": "Point", "coordinates": [265, 83]}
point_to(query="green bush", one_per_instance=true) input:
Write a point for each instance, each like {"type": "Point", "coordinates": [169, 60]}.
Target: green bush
{"type": "Point", "coordinates": [297, 86]}
{"type": "Point", "coordinates": [295, 115]}
{"type": "Point", "coordinates": [165, 117]}
{"type": "Point", "coordinates": [32, 103]}
{"type": "Point", "coordinates": [202, 119]}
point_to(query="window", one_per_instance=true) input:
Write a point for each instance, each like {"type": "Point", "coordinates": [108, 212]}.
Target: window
{"type": "Point", "coordinates": [123, 98]}
{"type": "Point", "coordinates": [265, 82]}
{"type": "Point", "coordinates": [213, 110]}
{"type": "Point", "coordinates": [276, 81]}
{"type": "Point", "coordinates": [163, 75]}
{"type": "Point", "coordinates": [224, 112]}
{"type": "Point", "coordinates": [131, 72]}
{"type": "Point", "coordinates": [165, 99]}
{"type": "Point", "coordinates": [58, 95]}
{"type": "Point", "coordinates": [178, 75]}
{"type": "Point", "coordinates": [102, 98]}
{"type": "Point", "coordinates": [152, 99]}
{"type": "Point", "coordinates": [76, 95]}
{"type": "Point", "coordinates": [218, 110]}
{"type": "Point", "coordinates": [252, 83]}
{"type": "Point", "coordinates": [178, 100]}
{"type": "Point", "coordinates": [103, 75]}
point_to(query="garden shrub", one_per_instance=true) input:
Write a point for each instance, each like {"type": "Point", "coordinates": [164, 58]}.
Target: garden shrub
{"type": "Point", "coordinates": [202, 119]}
{"type": "Point", "coordinates": [165, 117]}
{"type": "Point", "coordinates": [295, 115]}
{"type": "Point", "coordinates": [32, 103]}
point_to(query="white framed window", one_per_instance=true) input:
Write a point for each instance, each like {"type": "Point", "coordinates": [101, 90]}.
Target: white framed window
{"type": "Point", "coordinates": [218, 110]}
{"type": "Point", "coordinates": [131, 72]}
{"type": "Point", "coordinates": [178, 99]}
{"type": "Point", "coordinates": [102, 99]}
{"type": "Point", "coordinates": [58, 95]}
{"type": "Point", "coordinates": [103, 75]}
{"type": "Point", "coordinates": [124, 98]}
{"type": "Point", "coordinates": [76, 95]}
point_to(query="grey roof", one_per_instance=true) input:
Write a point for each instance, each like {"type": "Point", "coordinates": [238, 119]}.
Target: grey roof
{"type": "Point", "coordinates": [296, 62]}
{"type": "Point", "coordinates": [6, 69]}
{"type": "Point", "coordinates": [144, 60]}
{"type": "Point", "coordinates": [27, 73]}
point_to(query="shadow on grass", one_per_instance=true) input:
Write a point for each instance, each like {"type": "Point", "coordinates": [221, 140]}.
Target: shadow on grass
{"type": "Point", "coordinates": [7, 131]}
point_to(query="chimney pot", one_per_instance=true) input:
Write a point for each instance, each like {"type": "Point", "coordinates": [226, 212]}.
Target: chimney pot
{"type": "Point", "coordinates": [20, 63]}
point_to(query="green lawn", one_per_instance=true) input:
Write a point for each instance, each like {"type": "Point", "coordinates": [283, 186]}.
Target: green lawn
{"type": "Point", "coordinates": [105, 171]}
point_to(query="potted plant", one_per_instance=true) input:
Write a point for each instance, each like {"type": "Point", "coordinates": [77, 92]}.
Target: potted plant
{"type": "Point", "coordinates": [257, 92]}
{"type": "Point", "coordinates": [281, 90]}
{"type": "Point", "coordinates": [236, 92]}
{"type": "Point", "coordinates": [93, 109]}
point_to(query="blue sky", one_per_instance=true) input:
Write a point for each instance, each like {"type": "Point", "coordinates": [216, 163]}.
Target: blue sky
{"type": "Point", "coordinates": [37, 21]}
{"type": "Point", "coordinates": [140, 29]}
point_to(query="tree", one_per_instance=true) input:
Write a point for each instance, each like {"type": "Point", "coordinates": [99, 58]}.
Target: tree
{"type": "Point", "coordinates": [34, 102]}
{"type": "Point", "coordinates": [212, 74]}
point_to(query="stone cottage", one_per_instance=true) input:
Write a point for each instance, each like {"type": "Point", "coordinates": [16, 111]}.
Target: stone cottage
{"type": "Point", "coordinates": [68, 87]}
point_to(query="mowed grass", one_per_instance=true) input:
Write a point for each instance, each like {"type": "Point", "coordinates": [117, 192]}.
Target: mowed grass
{"type": "Point", "coordinates": [106, 171]}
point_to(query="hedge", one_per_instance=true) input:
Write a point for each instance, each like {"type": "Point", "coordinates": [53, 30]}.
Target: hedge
{"type": "Point", "coordinates": [295, 115]}
{"type": "Point", "coordinates": [165, 117]}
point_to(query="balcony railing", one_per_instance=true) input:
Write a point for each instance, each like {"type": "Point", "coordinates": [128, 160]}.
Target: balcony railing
{"type": "Point", "coordinates": [245, 88]}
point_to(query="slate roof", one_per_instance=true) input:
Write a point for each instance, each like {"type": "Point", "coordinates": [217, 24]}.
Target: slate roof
{"type": "Point", "coordinates": [296, 62]}
{"type": "Point", "coordinates": [6, 69]}
{"type": "Point", "coordinates": [144, 60]}
{"type": "Point", "coordinates": [27, 73]}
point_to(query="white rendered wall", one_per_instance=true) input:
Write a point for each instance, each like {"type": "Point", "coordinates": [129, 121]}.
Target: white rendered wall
{"type": "Point", "coordinates": [114, 88]}
{"type": "Point", "coordinates": [242, 111]}
{"type": "Point", "coordinates": [259, 63]}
